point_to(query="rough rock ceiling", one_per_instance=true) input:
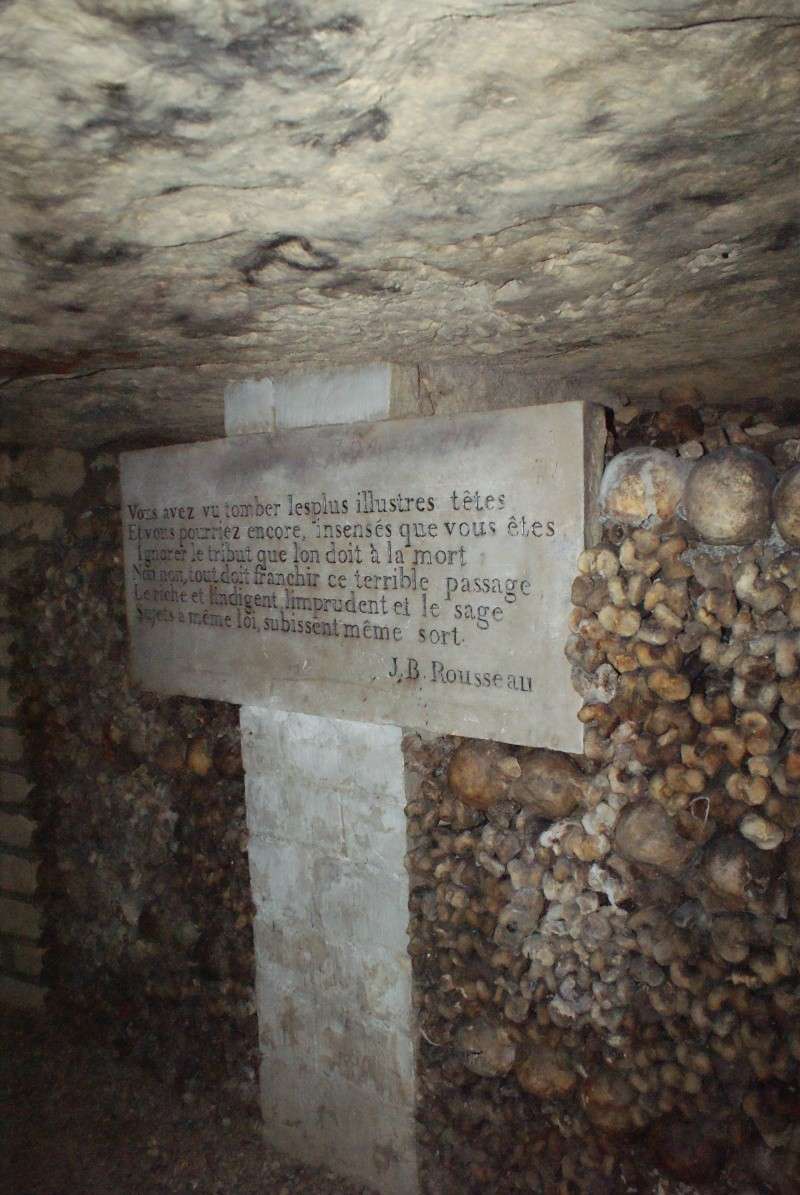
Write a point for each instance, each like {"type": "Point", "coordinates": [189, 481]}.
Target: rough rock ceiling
{"type": "Point", "coordinates": [201, 190]}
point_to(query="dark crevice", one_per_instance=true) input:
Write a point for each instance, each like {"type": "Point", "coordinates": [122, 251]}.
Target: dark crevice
{"type": "Point", "coordinates": [776, 19]}
{"type": "Point", "coordinates": [224, 236]}
{"type": "Point", "coordinates": [290, 250]}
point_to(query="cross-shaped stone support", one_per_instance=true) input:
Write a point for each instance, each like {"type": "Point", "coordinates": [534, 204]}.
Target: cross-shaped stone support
{"type": "Point", "coordinates": [325, 810]}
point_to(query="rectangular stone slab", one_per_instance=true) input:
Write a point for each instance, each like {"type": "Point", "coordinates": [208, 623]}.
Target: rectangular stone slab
{"type": "Point", "coordinates": [413, 571]}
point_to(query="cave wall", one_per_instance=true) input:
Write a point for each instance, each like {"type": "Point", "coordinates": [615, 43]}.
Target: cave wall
{"type": "Point", "coordinates": [143, 893]}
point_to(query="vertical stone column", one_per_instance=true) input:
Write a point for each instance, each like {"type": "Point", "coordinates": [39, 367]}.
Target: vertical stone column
{"type": "Point", "coordinates": [325, 807]}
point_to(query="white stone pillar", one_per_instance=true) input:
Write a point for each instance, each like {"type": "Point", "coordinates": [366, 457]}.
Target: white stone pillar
{"type": "Point", "coordinates": [325, 809]}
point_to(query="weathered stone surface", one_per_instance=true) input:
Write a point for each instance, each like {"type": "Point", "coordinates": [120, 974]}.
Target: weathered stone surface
{"type": "Point", "coordinates": [373, 984]}
{"type": "Point", "coordinates": [410, 571]}
{"type": "Point", "coordinates": [296, 1100]}
{"type": "Point", "coordinates": [329, 396]}
{"type": "Point", "coordinates": [224, 187]}
{"type": "Point", "coordinates": [333, 984]}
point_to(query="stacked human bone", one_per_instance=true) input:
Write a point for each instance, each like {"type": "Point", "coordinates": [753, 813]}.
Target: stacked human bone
{"type": "Point", "coordinates": [611, 943]}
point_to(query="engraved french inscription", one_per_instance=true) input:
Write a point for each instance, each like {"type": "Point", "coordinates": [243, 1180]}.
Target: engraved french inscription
{"type": "Point", "coordinates": [415, 572]}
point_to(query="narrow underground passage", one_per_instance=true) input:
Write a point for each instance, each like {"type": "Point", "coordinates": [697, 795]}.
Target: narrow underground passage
{"type": "Point", "coordinates": [614, 991]}
{"type": "Point", "coordinates": [325, 866]}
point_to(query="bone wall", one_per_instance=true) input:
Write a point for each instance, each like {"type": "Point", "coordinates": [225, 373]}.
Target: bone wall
{"type": "Point", "coordinates": [144, 892]}
{"type": "Point", "coordinates": [606, 947]}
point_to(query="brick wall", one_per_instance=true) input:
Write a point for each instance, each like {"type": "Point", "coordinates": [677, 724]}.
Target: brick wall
{"type": "Point", "coordinates": [36, 486]}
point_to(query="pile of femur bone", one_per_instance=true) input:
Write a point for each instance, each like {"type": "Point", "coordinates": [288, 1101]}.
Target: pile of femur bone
{"type": "Point", "coordinates": [618, 935]}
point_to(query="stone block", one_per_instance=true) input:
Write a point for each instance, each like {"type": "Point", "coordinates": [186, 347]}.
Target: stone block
{"type": "Point", "coordinates": [30, 520]}
{"type": "Point", "coordinates": [295, 951]}
{"type": "Point", "coordinates": [9, 703]}
{"type": "Point", "coordinates": [18, 993]}
{"type": "Point", "coordinates": [339, 755]}
{"type": "Point", "coordinates": [20, 918]}
{"type": "Point", "coordinates": [12, 745]}
{"type": "Point", "coordinates": [297, 1018]}
{"type": "Point", "coordinates": [311, 400]}
{"type": "Point", "coordinates": [49, 472]}
{"type": "Point", "coordinates": [370, 981]}
{"type": "Point", "coordinates": [375, 1057]}
{"type": "Point", "coordinates": [375, 833]}
{"type": "Point", "coordinates": [18, 874]}
{"type": "Point", "coordinates": [16, 829]}
{"type": "Point", "coordinates": [323, 1119]}
{"type": "Point", "coordinates": [371, 1054]}
{"type": "Point", "coordinates": [14, 787]}
{"type": "Point", "coordinates": [282, 876]}
{"type": "Point", "coordinates": [280, 807]}
{"type": "Point", "coordinates": [373, 981]}
{"type": "Point", "coordinates": [348, 903]}
{"type": "Point", "coordinates": [359, 905]}
{"type": "Point", "coordinates": [288, 1017]}
{"type": "Point", "coordinates": [439, 656]}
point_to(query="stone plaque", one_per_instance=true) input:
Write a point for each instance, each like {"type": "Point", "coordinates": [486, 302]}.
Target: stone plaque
{"type": "Point", "coordinates": [414, 571]}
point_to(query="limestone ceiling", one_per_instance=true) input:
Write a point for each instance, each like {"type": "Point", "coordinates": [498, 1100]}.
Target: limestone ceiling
{"type": "Point", "coordinates": [194, 191]}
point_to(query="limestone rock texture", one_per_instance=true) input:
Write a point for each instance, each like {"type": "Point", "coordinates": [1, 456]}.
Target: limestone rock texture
{"type": "Point", "coordinates": [597, 195]}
